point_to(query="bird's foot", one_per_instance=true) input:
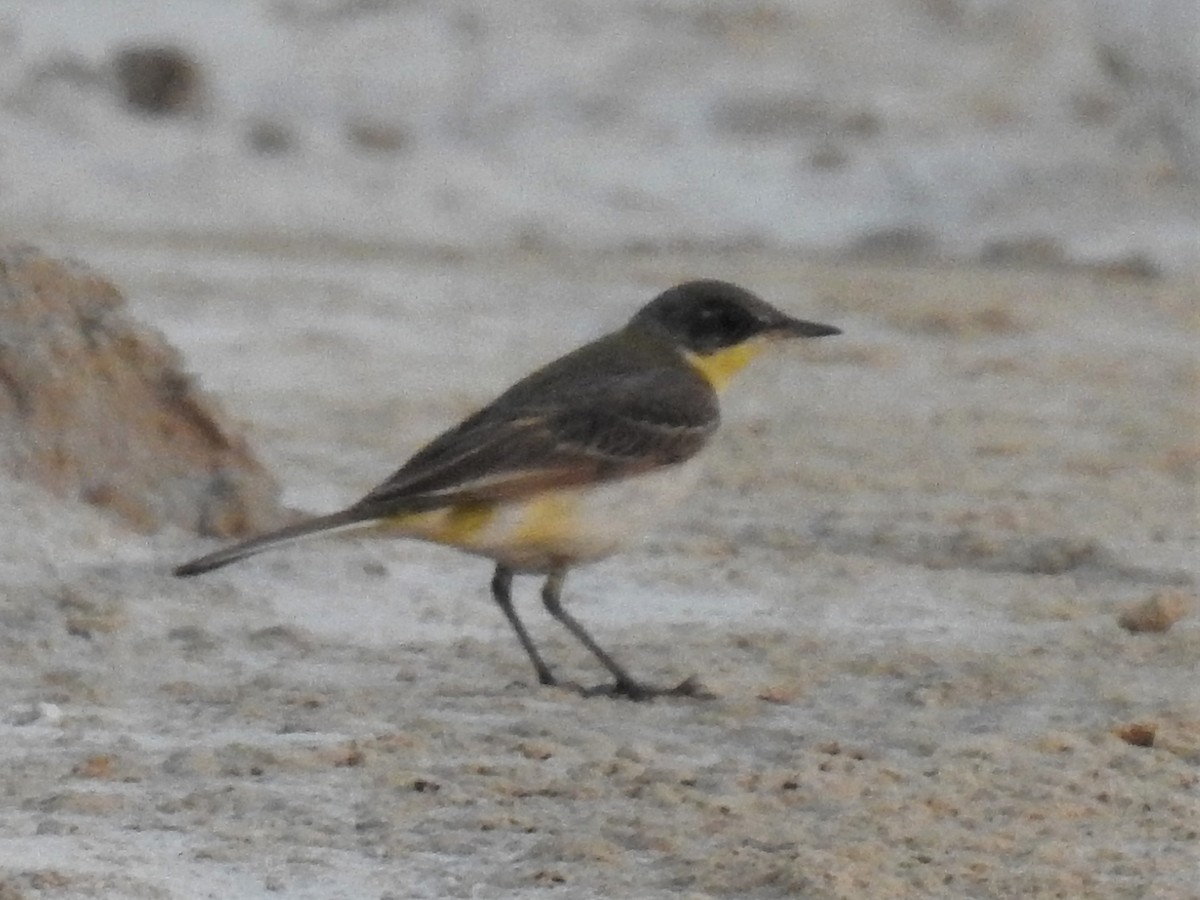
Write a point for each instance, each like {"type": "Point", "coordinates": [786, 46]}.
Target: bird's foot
{"type": "Point", "coordinates": [639, 692]}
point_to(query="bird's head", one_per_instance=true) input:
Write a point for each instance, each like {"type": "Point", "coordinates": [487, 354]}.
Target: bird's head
{"type": "Point", "coordinates": [719, 327]}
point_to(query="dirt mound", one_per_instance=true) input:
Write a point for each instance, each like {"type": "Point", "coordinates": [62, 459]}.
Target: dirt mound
{"type": "Point", "coordinates": [95, 406]}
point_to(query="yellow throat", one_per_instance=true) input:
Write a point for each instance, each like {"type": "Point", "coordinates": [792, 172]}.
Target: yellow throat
{"type": "Point", "coordinates": [719, 367]}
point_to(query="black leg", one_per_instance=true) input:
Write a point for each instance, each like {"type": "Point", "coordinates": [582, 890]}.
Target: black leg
{"type": "Point", "coordinates": [502, 593]}
{"type": "Point", "coordinates": [552, 600]}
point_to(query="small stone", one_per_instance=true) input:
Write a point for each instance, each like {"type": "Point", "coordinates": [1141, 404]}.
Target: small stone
{"type": "Point", "coordinates": [158, 81]}
{"type": "Point", "coordinates": [537, 750]}
{"type": "Point", "coordinates": [46, 713]}
{"type": "Point", "coordinates": [781, 694]}
{"type": "Point", "coordinates": [380, 138]}
{"type": "Point", "coordinates": [54, 827]}
{"type": "Point", "coordinates": [269, 137]}
{"type": "Point", "coordinates": [1157, 613]}
{"type": "Point", "coordinates": [1137, 734]}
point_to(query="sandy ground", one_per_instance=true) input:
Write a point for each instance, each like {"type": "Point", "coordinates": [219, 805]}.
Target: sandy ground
{"type": "Point", "coordinates": [901, 575]}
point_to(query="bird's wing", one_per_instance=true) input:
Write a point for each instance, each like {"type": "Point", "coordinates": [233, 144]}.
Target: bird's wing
{"type": "Point", "coordinates": [612, 427]}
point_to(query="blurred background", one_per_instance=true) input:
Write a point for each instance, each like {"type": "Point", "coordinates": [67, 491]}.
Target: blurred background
{"type": "Point", "coordinates": [1012, 132]}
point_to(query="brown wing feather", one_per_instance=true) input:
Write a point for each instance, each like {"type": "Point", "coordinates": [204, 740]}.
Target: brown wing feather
{"type": "Point", "coordinates": [594, 415]}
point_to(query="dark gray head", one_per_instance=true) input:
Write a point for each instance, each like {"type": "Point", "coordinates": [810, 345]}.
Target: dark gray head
{"type": "Point", "coordinates": [706, 316]}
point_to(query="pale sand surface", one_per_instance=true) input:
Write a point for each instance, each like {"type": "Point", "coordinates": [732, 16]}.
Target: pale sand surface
{"type": "Point", "coordinates": [901, 574]}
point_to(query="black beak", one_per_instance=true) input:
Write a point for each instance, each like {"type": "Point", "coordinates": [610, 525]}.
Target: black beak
{"type": "Point", "coordinates": [798, 328]}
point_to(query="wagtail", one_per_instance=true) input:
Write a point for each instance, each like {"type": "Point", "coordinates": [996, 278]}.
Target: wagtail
{"type": "Point", "coordinates": [573, 461]}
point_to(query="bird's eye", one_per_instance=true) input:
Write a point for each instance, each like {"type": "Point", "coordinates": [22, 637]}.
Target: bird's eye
{"type": "Point", "coordinates": [719, 324]}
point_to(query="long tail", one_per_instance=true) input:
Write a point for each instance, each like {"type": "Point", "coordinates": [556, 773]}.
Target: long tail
{"type": "Point", "coordinates": [262, 542]}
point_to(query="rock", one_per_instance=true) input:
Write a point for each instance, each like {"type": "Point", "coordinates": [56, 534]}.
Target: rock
{"type": "Point", "coordinates": [96, 407]}
{"type": "Point", "coordinates": [270, 137]}
{"type": "Point", "coordinates": [1138, 734]}
{"type": "Point", "coordinates": [158, 81]}
{"type": "Point", "coordinates": [380, 138]}
{"type": "Point", "coordinates": [1156, 613]}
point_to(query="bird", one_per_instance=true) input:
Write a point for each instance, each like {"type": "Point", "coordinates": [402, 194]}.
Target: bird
{"type": "Point", "coordinates": [573, 461]}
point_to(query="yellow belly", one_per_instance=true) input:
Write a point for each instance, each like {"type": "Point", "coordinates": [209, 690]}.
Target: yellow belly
{"type": "Point", "coordinates": [549, 530]}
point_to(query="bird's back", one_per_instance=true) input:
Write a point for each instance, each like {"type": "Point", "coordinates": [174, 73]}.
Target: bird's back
{"type": "Point", "coordinates": [619, 406]}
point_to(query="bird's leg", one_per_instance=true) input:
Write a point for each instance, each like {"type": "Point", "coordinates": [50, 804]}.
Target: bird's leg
{"type": "Point", "coordinates": [502, 593]}
{"type": "Point", "coordinates": [625, 684]}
